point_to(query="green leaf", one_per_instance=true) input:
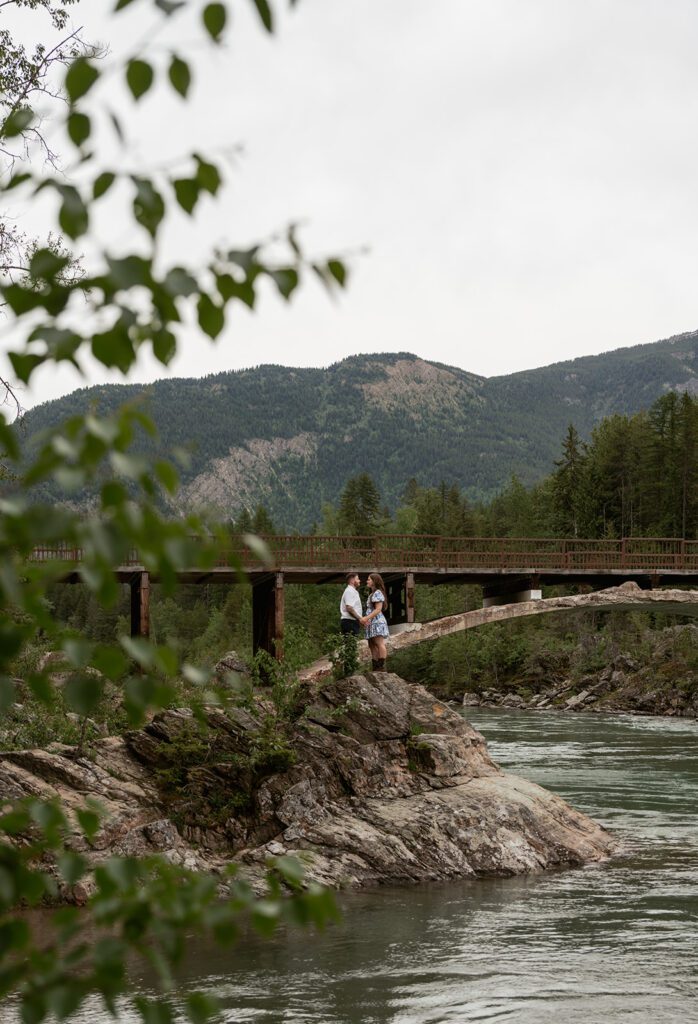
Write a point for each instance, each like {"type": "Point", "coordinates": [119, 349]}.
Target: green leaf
{"type": "Point", "coordinates": [148, 205]}
{"type": "Point", "coordinates": [79, 127]}
{"type": "Point", "coordinates": [179, 282]}
{"type": "Point", "coordinates": [211, 317]}
{"type": "Point", "coordinates": [187, 193]}
{"type": "Point", "coordinates": [259, 548]}
{"type": "Point", "coordinates": [120, 4]}
{"type": "Point", "coordinates": [207, 175]}
{"type": "Point", "coordinates": [154, 1012]}
{"type": "Point", "coordinates": [71, 866]}
{"type": "Point", "coordinates": [338, 271]}
{"type": "Point", "coordinates": [201, 1008]}
{"type": "Point", "coordinates": [110, 661]}
{"type": "Point", "coordinates": [139, 77]}
{"type": "Point", "coordinates": [264, 11]}
{"type": "Point", "coordinates": [139, 649]}
{"type": "Point", "coordinates": [166, 661]}
{"type": "Point", "coordinates": [47, 264]}
{"type": "Point", "coordinates": [129, 272]}
{"type": "Point", "coordinates": [21, 300]}
{"type": "Point", "coordinates": [214, 18]}
{"type": "Point", "coordinates": [246, 259]}
{"type": "Point", "coordinates": [195, 675]}
{"type": "Point", "coordinates": [290, 868]}
{"type": "Point", "coordinates": [14, 935]}
{"type": "Point", "coordinates": [80, 78]}
{"type": "Point", "coordinates": [88, 819]}
{"type": "Point", "coordinates": [114, 348]}
{"type": "Point", "coordinates": [164, 346]}
{"type": "Point", "coordinates": [78, 651]}
{"type": "Point", "coordinates": [41, 687]}
{"type": "Point", "coordinates": [286, 280]}
{"type": "Point", "coordinates": [170, 6]}
{"type": "Point", "coordinates": [83, 693]}
{"type": "Point", "coordinates": [73, 217]}
{"type": "Point", "coordinates": [15, 821]}
{"type": "Point", "coordinates": [17, 122]}
{"type": "Point", "coordinates": [24, 364]}
{"type": "Point", "coordinates": [18, 179]}
{"type": "Point", "coordinates": [229, 288]}
{"type": "Point", "coordinates": [180, 75]}
{"type": "Point", "coordinates": [102, 184]}
{"type": "Point", "coordinates": [167, 475]}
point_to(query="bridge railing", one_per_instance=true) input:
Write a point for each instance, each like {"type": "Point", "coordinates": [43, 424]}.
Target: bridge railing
{"type": "Point", "coordinates": [409, 551]}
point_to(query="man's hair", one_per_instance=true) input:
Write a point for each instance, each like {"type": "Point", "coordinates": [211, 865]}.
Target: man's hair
{"type": "Point", "coordinates": [350, 576]}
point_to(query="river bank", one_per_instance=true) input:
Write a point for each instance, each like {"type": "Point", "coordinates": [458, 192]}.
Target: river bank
{"type": "Point", "coordinates": [623, 687]}
{"type": "Point", "coordinates": [651, 672]}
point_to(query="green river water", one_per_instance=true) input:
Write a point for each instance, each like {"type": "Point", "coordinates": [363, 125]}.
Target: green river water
{"type": "Point", "coordinates": [604, 944]}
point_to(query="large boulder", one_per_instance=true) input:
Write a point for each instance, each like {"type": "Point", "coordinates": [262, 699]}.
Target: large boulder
{"type": "Point", "coordinates": [230, 668]}
{"type": "Point", "coordinates": [375, 781]}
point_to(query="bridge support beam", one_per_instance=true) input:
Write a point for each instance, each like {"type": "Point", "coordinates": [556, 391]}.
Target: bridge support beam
{"type": "Point", "coordinates": [268, 615]}
{"type": "Point", "coordinates": [511, 592]}
{"type": "Point", "coordinates": [140, 604]}
{"type": "Point", "coordinates": [400, 598]}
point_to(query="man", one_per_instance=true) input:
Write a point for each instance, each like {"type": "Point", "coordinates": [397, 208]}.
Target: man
{"type": "Point", "coordinates": [350, 611]}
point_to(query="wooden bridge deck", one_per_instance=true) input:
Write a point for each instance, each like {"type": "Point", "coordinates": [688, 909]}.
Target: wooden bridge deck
{"type": "Point", "coordinates": [509, 569]}
{"type": "Point", "coordinates": [440, 559]}
{"type": "Point", "coordinates": [425, 554]}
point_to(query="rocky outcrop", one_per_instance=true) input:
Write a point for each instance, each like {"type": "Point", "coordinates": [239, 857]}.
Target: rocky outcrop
{"type": "Point", "coordinates": [375, 782]}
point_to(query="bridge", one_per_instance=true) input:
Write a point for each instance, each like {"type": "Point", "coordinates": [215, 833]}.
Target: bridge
{"type": "Point", "coordinates": [627, 597]}
{"type": "Point", "coordinates": [510, 570]}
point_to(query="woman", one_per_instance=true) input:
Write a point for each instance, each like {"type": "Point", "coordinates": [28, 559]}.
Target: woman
{"type": "Point", "coordinates": [375, 621]}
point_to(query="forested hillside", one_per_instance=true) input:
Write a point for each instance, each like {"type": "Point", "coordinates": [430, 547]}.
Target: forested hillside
{"type": "Point", "coordinates": [290, 438]}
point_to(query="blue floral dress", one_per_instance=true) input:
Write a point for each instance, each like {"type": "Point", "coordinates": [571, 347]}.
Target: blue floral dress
{"type": "Point", "coordinates": [379, 625]}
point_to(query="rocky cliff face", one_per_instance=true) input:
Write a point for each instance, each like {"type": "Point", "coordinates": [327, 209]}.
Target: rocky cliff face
{"type": "Point", "coordinates": [375, 782]}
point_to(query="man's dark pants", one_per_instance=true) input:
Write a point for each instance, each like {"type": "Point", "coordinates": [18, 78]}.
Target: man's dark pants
{"type": "Point", "coordinates": [349, 626]}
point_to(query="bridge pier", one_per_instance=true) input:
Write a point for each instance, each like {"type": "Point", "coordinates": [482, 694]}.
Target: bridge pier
{"type": "Point", "coordinates": [268, 615]}
{"type": "Point", "coordinates": [400, 598]}
{"type": "Point", "coordinates": [510, 591]}
{"type": "Point", "coordinates": [140, 604]}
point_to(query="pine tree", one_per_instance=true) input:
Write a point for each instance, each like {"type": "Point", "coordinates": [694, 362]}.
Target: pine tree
{"type": "Point", "coordinates": [568, 485]}
{"type": "Point", "coordinates": [359, 512]}
{"type": "Point", "coordinates": [262, 522]}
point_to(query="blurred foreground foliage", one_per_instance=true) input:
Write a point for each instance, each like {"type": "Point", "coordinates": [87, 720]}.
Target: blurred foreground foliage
{"type": "Point", "coordinates": [72, 296]}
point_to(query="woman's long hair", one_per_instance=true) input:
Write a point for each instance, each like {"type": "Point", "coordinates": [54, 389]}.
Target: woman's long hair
{"type": "Point", "coordinates": [378, 584]}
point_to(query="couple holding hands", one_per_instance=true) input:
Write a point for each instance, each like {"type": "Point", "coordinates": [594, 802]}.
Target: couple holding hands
{"type": "Point", "coordinates": [373, 619]}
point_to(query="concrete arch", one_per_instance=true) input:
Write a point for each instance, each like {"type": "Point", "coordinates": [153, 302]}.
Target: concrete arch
{"type": "Point", "coordinates": [627, 597]}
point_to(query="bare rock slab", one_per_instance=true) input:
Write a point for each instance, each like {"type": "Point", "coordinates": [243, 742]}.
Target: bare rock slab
{"type": "Point", "coordinates": [384, 784]}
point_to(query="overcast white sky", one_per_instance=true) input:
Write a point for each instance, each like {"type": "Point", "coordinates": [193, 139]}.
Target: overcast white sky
{"type": "Point", "coordinates": [522, 172]}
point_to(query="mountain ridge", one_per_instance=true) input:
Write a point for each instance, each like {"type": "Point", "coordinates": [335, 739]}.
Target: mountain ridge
{"type": "Point", "coordinates": [290, 436]}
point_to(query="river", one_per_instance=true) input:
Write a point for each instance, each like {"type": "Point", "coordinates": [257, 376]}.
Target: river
{"type": "Point", "coordinates": [604, 944]}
